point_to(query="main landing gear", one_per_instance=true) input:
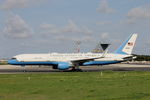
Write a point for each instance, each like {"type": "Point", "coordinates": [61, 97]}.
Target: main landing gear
{"type": "Point", "coordinates": [76, 69]}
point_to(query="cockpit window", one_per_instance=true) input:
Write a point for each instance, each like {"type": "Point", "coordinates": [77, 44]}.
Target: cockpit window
{"type": "Point", "coordinates": [13, 58]}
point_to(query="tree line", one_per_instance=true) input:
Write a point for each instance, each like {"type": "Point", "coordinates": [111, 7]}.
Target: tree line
{"type": "Point", "coordinates": [142, 57]}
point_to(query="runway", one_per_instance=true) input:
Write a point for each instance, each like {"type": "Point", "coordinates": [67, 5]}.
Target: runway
{"type": "Point", "coordinates": [48, 69]}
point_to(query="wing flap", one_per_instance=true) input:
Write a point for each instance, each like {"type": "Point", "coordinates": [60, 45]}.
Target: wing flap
{"type": "Point", "coordinates": [77, 61]}
{"type": "Point", "coordinates": [86, 59]}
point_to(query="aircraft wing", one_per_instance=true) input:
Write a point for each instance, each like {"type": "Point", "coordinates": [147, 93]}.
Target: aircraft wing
{"type": "Point", "coordinates": [84, 60]}
{"type": "Point", "coordinates": [89, 59]}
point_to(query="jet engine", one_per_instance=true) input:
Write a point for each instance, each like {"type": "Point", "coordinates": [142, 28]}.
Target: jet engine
{"type": "Point", "coordinates": [62, 66]}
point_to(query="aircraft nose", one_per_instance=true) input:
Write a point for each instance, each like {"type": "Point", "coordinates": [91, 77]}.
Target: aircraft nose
{"type": "Point", "coordinates": [12, 61]}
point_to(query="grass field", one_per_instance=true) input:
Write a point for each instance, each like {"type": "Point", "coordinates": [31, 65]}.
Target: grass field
{"type": "Point", "coordinates": [76, 86]}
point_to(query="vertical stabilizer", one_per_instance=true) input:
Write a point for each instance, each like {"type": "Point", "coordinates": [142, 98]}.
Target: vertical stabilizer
{"type": "Point", "coordinates": [127, 46]}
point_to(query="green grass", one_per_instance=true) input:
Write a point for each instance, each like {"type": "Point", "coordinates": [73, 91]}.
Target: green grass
{"type": "Point", "coordinates": [76, 86]}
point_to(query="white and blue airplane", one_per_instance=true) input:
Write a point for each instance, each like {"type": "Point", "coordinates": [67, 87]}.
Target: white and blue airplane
{"type": "Point", "coordinates": [63, 61]}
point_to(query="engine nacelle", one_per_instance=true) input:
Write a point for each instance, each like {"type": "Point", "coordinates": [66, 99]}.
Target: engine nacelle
{"type": "Point", "coordinates": [63, 66]}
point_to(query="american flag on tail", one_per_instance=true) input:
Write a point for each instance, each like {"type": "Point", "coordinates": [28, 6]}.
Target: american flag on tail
{"type": "Point", "coordinates": [130, 44]}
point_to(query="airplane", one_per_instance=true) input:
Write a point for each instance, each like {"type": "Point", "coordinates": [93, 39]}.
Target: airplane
{"type": "Point", "coordinates": [65, 61]}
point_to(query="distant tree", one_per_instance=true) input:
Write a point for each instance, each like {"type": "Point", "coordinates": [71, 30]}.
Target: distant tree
{"type": "Point", "coordinates": [142, 57]}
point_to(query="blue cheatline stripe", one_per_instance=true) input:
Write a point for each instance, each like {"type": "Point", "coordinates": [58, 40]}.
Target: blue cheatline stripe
{"type": "Point", "coordinates": [100, 63]}
{"type": "Point", "coordinates": [15, 62]}
{"type": "Point", "coordinates": [119, 50]}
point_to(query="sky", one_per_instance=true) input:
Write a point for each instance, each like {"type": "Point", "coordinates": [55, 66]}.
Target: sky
{"type": "Point", "coordinates": [44, 26]}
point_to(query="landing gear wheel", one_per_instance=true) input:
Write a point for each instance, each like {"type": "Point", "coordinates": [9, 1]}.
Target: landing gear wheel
{"type": "Point", "coordinates": [76, 69]}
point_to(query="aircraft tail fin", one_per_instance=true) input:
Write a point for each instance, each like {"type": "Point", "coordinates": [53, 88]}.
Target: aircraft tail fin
{"type": "Point", "coordinates": [127, 46]}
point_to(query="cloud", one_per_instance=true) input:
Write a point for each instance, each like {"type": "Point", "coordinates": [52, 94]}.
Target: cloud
{"type": "Point", "coordinates": [16, 27]}
{"type": "Point", "coordinates": [47, 26]}
{"type": "Point", "coordinates": [138, 13]}
{"type": "Point", "coordinates": [104, 23]}
{"type": "Point", "coordinates": [104, 8]}
{"type": "Point", "coordinates": [12, 4]}
{"type": "Point", "coordinates": [105, 35]}
{"type": "Point", "coordinates": [74, 39]}
{"type": "Point", "coordinates": [71, 27]}
{"type": "Point", "coordinates": [49, 29]}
